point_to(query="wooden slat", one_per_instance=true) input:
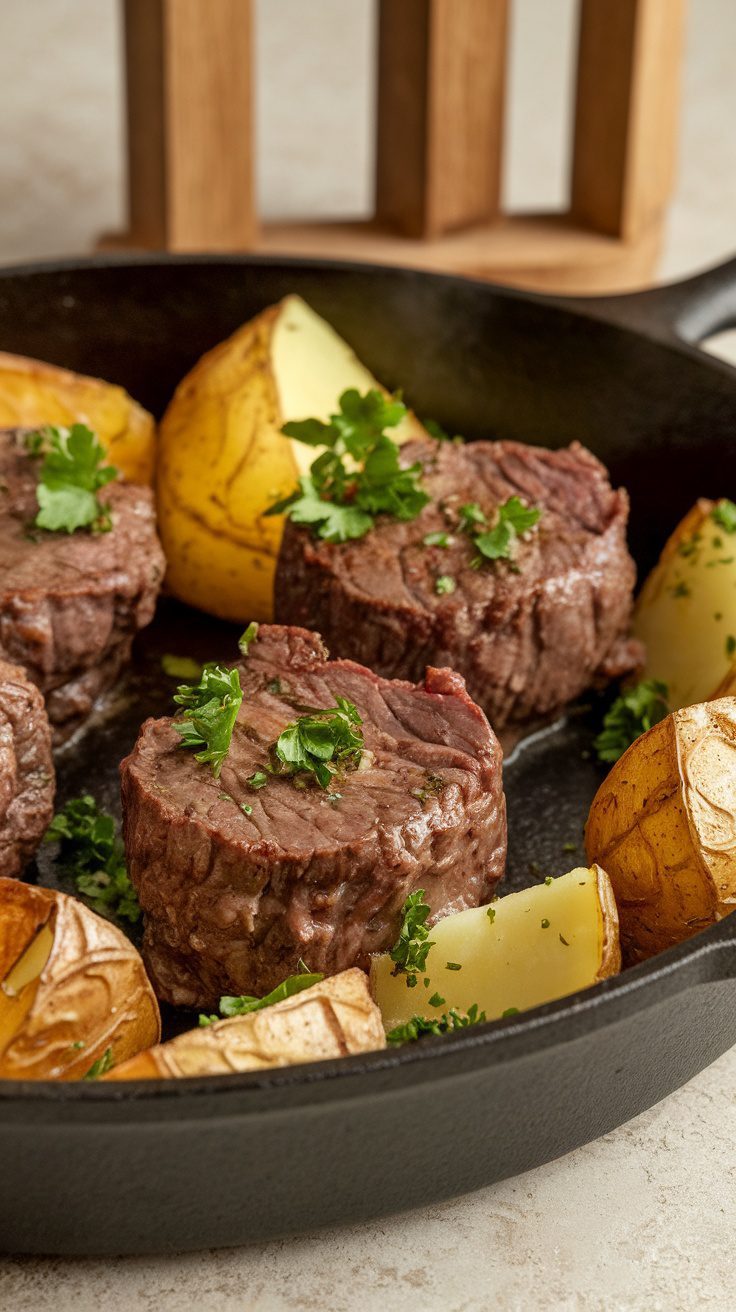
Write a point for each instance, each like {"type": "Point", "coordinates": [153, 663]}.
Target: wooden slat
{"type": "Point", "coordinates": [626, 113]}
{"type": "Point", "coordinates": [441, 88]}
{"type": "Point", "coordinates": [190, 123]}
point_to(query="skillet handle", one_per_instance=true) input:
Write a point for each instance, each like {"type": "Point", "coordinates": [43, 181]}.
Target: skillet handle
{"type": "Point", "coordinates": [687, 311]}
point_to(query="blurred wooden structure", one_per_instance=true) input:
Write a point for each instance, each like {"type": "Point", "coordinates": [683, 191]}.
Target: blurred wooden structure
{"type": "Point", "coordinates": [441, 93]}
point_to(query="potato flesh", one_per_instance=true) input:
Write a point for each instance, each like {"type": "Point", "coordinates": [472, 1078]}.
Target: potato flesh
{"type": "Point", "coordinates": [510, 961]}
{"type": "Point", "coordinates": [686, 612]}
{"type": "Point", "coordinates": [18, 989]}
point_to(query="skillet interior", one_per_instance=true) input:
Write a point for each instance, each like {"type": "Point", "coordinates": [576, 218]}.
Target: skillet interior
{"type": "Point", "coordinates": [484, 362]}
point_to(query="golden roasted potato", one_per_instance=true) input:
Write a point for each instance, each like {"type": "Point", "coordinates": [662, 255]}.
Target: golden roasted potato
{"type": "Point", "coordinates": [686, 612]}
{"type": "Point", "coordinates": [331, 1019]}
{"type": "Point", "coordinates": [33, 393]}
{"type": "Point", "coordinates": [223, 459]}
{"type": "Point", "coordinates": [71, 987]}
{"type": "Point", "coordinates": [525, 949]}
{"type": "Point", "coordinates": [663, 824]}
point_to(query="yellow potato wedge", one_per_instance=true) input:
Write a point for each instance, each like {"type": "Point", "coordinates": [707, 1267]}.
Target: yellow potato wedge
{"type": "Point", "coordinates": [686, 612]}
{"type": "Point", "coordinates": [33, 393]}
{"type": "Point", "coordinates": [331, 1019]}
{"type": "Point", "coordinates": [663, 824]}
{"type": "Point", "coordinates": [71, 986]}
{"type": "Point", "coordinates": [525, 949]}
{"type": "Point", "coordinates": [223, 459]}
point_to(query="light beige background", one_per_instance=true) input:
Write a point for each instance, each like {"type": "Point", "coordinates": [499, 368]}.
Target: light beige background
{"type": "Point", "coordinates": [643, 1220]}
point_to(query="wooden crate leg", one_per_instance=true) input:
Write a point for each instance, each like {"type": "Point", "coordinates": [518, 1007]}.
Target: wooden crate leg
{"type": "Point", "coordinates": [441, 66]}
{"type": "Point", "coordinates": [189, 107]}
{"type": "Point", "coordinates": [626, 114]}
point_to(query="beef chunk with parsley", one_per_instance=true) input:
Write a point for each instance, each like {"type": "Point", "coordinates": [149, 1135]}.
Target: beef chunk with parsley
{"type": "Point", "coordinates": [516, 573]}
{"type": "Point", "coordinates": [72, 598]}
{"type": "Point", "coordinates": [298, 833]}
{"type": "Point", "coordinates": [26, 770]}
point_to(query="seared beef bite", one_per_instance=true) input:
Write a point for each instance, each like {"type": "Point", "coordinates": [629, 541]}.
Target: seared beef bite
{"type": "Point", "coordinates": [241, 876]}
{"type": "Point", "coordinates": [530, 613]}
{"type": "Point", "coordinates": [26, 770]}
{"type": "Point", "coordinates": [72, 602]}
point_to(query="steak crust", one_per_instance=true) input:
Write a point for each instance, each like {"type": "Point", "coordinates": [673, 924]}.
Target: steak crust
{"type": "Point", "coordinates": [71, 604]}
{"type": "Point", "coordinates": [26, 770]}
{"type": "Point", "coordinates": [233, 901]}
{"type": "Point", "coordinates": [529, 635]}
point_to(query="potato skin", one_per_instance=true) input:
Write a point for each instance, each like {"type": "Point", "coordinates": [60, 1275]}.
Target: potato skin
{"type": "Point", "coordinates": [333, 1018]}
{"type": "Point", "coordinates": [663, 826]}
{"type": "Point", "coordinates": [93, 989]}
{"type": "Point", "coordinates": [33, 393]}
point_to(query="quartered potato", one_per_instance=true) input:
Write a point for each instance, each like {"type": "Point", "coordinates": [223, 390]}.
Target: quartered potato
{"type": "Point", "coordinates": [663, 824]}
{"type": "Point", "coordinates": [525, 949]}
{"type": "Point", "coordinates": [71, 987]}
{"type": "Point", "coordinates": [33, 393]}
{"type": "Point", "coordinates": [686, 612]}
{"type": "Point", "coordinates": [334, 1018]}
{"type": "Point", "coordinates": [223, 459]}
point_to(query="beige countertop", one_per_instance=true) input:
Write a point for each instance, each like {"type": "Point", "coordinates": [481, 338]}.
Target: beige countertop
{"type": "Point", "coordinates": [643, 1219]}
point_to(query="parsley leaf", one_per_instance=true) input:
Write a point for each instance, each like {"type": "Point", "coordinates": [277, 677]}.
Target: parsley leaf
{"type": "Point", "coordinates": [724, 515]}
{"type": "Point", "coordinates": [514, 518]}
{"type": "Point", "coordinates": [322, 743]}
{"type": "Point", "coordinates": [445, 585]}
{"type": "Point", "coordinates": [100, 1067]}
{"type": "Point", "coordinates": [210, 711]}
{"type": "Point", "coordinates": [181, 667]}
{"type": "Point", "coordinates": [470, 515]}
{"type": "Point", "coordinates": [245, 1004]}
{"type": "Point", "coordinates": [341, 500]}
{"type": "Point", "coordinates": [91, 852]}
{"type": "Point", "coordinates": [418, 1026]}
{"type": "Point", "coordinates": [245, 639]}
{"type": "Point", "coordinates": [631, 715]}
{"type": "Point", "coordinates": [413, 944]}
{"type": "Point", "coordinates": [71, 475]}
{"type": "Point", "coordinates": [438, 540]}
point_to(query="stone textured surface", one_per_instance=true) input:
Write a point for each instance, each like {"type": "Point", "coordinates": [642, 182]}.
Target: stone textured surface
{"type": "Point", "coordinates": [642, 1220]}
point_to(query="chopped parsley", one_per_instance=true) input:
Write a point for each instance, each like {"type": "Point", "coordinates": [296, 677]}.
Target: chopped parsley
{"type": "Point", "coordinates": [569, 847]}
{"type": "Point", "coordinates": [470, 515]}
{"type": "Point", "coordinates": [92, 854]}
{"type": "Point", "coordinates": [419, 1026]}
{"type": "Point", "coordinates": [210, 711]}
{"type": "Point", "coordinates": [245, 1003]}
{"type": "Point", "coordinates": [409, 953]}
{"type": "Point", "coordinates": [434, 784]}
{"type": "Point", "coordinates": [245, 639]}
{"type": "Point", "coordinates": [100, 1067]}
{"type": "Point", "coordinates": [72, 473]}
{"type": "Point", "coordinates": [563, 941]}
{"type": "Point", "coordinates": [273, 686]}
{"type": "Point", "coordinates": [439, 433]}
{"type": "Point", "coordinates": [257, 780]}
{"type": "Point", "coordinates": [631, 715]}
{"type": "Point", "coordinates": [491, 913]}
{"type": "Point", "coordinates": [545, 924]}
{"type": "Point", "coordinates": [724, 515]}
{"type": "Point", "coordinates": [439, 539]}
{"type": "Point", "coordinates": [514, 519]}
{"type": "Point", "coordinates": [437, 1001]}
{"type": "Point", "coordinates": [181, 667]}
{"type": "Point", "coordinates": [548, 880]}
{"type": "Point", "coordinates": [358, 476]}
{"type": "Point", "coordinates": [680, 589]}
{"type": "Point", "coordinates": [510, 1011]}
{"type": "Point", "coordinates": [730, 645]}
{"type": "Point", "coordinates": [445, 585]}
{"type": "Point", "coordinates": [322, 744]}
{"type": "Point", "coordinates": [452, 965]}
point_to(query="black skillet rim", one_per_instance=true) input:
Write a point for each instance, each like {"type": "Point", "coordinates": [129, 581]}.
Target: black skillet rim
{"type": "Point", "coordinates": [602, 1004]}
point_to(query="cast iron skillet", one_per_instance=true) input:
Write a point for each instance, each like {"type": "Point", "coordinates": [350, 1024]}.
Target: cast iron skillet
{"type": "Point", "coordinates": [91, 1168]}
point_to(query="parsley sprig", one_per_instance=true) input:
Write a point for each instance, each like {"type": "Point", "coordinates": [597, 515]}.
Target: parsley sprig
{"type": "Point", "coordinates": [499, 542]}
{"type": "Point", "coordinates": [100, 1067]}
{"type": "Point", "coordinates": [210, 711]}
{"type": "Point", "coordinates": [245, 1003]}
{"type": "Point", "coordinates": [91, 852]}
{"type": "Point", "coordinates": [358, 476]}
{"type": "Point", "coordinates": [322, 743]}
{"type": "Point", "coordinates": [412, 946]}
{"type": "Point", "coordinates": [419, 1026]}
{"type": "Point", "coordinates": [631, 715]}
{"type": "Point", "coordinates": [72, 473]}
